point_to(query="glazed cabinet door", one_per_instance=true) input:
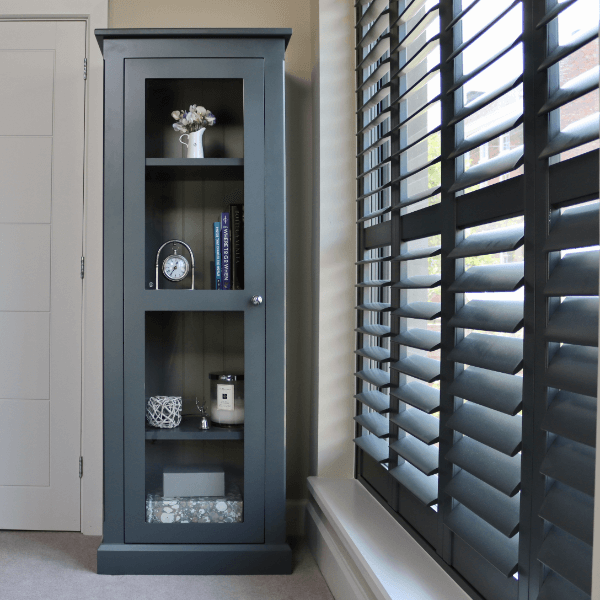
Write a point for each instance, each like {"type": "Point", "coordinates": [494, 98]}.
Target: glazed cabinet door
{"type": "Point", "coordinates": [184, 484]}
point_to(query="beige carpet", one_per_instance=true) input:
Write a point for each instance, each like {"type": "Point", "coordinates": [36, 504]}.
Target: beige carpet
{"type": "Point", "coordinates": [40, 565]}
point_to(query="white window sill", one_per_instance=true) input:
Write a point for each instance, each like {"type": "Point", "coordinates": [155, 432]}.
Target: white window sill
{"type": "Point", "coordinates": [392, 563]}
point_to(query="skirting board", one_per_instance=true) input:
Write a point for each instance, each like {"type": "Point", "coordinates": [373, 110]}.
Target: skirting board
{"type": "Point", "coordinates": [190, 559]}
{"type": "Point", "coordinates": [342, 577]}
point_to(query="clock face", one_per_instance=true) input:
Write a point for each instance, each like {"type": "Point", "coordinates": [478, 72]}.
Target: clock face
{"type": "Point", "coordinates": [175, 267]}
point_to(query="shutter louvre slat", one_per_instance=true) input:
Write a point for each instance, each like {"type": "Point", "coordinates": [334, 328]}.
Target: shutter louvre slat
{"type": "Point", "coordinates": [383, 46]}
{"type": "Point", "coordinates": [496, 509]}
{"type": "Point", "coordinates": [570, 510]}
{"type": "Point", "coordinates": [428, 17]}
{"type": "Point", "coordinates": [462, 47]}
{"type": "Point", "coordinates": [419, 310]}
{"type": "Point", "coordinates": [419, 367]}
{"type": "Point", "coordinates": [573, 44]}
{"type": "Point", "coordinates": [499, 165]}
{"type": "Point", "coordinates": [419, 253]}
{"type": "Point", "coordinates": [583, 131]}
{"type": "Point", "coordinates": [554, 12]}
{"type": "Point", "coordinates": [572, 416]}
{"type": "Point", "coordinates": [489, 242]}
{"type": "Point", "coordinates": [498, 470]}
{"type": "Point", "coordinates": [375, 353]}
{"type": "Point", "coordinates": [423, 339]}
{"type": "Point", "coordinates": [417, 198]}
{"type": "Point", "coordinates": [575, 228]}
{"type": "Point", "coordinates": [375, 377]}
{"type": "Point", "coordinates": [375, 330]}
{"type": "Point", "coordinates": [506, 277]}
{"type": "Point", "coordinates": [374, 423]}
{"type": "Point", "coordinates": [485, 99]}
{"type": "Point", "coordinates": [374, 399]}
{"type": "Point", "coordinates": [492, 352]}
{"type": "Point", "coordinates": [571, 463]}
{"type": "Point", "coordinates": [497, 549]}
{"type": "Point", "coordinates": [574, 369]}
{"type": "Point", "coordinates": [375, 283]}
{"type": "Point", "coordinates": [504, 316]}
{"type": "Point", "coordinates": [421, 456]}
{"type": "Point", "coordinates": [573, 89]}
{"type": "Point", "coordinates": [375, 307]}
{"type": "Point", "coordinates": [375, 214]}
{"type": "Point", "coordinates": [497, 391]}
{"type": "Point", "coordinates": [483, 66]}
{"type": "Point", "coordinates": [418, 282]}
{"type": "Point", "coordinates": [380, 24]}
{"type": "Point", "coordinates": [423, 487]}
{"type": "Point", "coordinates": [575, 275]}
{"type": "Point", "coordinates": [569, 557]}
{"type": "Point", "coordinates": [489, 427]}
{"type": "Point", "coordinates": [575, 321]}
{"type": "Point", "coordinates": [557, 588]}
{"type": "Point", "coordinates": [419, 395]}
{"type": "Point", "coordinates": [424, 427]}
{"type": "Point", "coordinates": [375, 8]}
{"type": "Point", "coordinates": [486, 135]}
{"type": "Point", "coordinates": [374, 447]}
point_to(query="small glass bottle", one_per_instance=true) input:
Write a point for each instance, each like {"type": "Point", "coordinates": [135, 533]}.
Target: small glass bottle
{"type": "Point", "coordinates": [226, 399]}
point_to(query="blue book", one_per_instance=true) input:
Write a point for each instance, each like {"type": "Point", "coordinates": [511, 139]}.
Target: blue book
{"type": "Point", "coordinates": [217, 236]}
{"type": "Point", "coordinates": [225, 252]}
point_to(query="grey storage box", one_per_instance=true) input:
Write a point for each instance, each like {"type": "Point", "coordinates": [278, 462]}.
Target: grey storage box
{"type": "Point", "coordinates": [193, 481]}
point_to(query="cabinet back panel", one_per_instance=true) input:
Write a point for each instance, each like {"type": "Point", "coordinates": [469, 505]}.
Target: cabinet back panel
{"type": "Point", "coordinates": [186, 210]}
{"type": "Point", "coordinates": [223, 97]}
{"type": "Point", "coordinates": [182, 348]}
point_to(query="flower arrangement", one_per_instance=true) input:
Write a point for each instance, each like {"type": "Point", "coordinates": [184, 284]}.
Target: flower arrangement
{"type": "Point", "coordinates": [192, 120]}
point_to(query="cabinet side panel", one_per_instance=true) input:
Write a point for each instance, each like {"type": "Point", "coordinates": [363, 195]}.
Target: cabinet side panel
{"type": "Point", "coordinates": [275, 292]}
{"type": "Point", "coordinates": [113, 296]}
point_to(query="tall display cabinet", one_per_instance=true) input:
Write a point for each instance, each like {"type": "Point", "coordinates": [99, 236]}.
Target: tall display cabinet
{"type": "Point", "coordinates": [163, 337]}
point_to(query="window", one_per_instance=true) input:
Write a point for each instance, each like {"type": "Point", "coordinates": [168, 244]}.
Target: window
{"type": "Point", "coordinates": [477, 292]}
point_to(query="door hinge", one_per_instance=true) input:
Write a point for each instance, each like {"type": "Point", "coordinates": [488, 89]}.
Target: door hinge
{"type": "Point", "coordinates": [80, 467]}
{"type": "Point", "coordinates": [82, 272]}
{"type": "Point", "coordinates": [85, 68]}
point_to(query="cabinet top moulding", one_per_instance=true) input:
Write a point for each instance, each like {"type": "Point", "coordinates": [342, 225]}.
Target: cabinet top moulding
{"type": "Point", "coordinates": [105, 34]}
{"type": "Point", "coordinates": [214, 169]}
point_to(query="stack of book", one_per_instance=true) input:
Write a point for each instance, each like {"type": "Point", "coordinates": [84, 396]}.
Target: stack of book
{"type": "Point", "coordinates": [229, 249]}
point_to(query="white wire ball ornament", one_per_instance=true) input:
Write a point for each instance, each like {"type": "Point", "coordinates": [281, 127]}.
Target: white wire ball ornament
{"type": "Point", "coordinates": [164, 411]}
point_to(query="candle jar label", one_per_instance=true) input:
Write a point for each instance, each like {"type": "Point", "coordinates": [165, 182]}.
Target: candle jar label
{"type": "Point", "coordinates": [225, 397]}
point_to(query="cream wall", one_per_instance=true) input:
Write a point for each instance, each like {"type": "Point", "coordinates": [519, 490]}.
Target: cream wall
{"type": "Point", "coordinates": [334, 243]}
{"type": "Point", "coordinates": [269, 13]}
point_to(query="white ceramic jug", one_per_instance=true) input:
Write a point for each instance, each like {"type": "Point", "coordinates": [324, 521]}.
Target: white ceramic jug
{"type": "Point", "coordinates": [194, 145]}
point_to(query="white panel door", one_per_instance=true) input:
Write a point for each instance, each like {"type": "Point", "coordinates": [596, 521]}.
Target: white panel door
{"type": "Point", "coordinates": [41, 214]}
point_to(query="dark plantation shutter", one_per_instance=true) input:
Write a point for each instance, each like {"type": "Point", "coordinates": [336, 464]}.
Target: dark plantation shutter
{"type": "Point", "coordinates": [567, 396]}
{"type": "Point", "coordinates": [477, 283]}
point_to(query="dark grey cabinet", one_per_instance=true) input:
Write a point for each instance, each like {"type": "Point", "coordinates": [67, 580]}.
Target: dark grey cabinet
{"type": "Point", "coordinates": [166, 341]}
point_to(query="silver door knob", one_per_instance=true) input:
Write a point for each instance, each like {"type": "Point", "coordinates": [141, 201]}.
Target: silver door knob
{"type": "Point", "coordinates": [256, 300]}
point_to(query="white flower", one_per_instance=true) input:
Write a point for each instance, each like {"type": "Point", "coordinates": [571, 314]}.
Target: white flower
{"type": "Point", "coordinates": [211, 120]}
{"type": "Point", "coordinates": [192, 108]}
{"type": "Point", "coordinates": [193, 117]}
{"type": "Point", "coordinates": [184, 121]}
{"type": "Point", "coordinates": [201, 110]}
{"type": "Point", "coordinates": [176, 114]}
{"type": "Point", "coordinates": [179, 127]}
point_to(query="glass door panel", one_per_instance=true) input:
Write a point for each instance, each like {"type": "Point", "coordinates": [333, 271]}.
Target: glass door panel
{"type": "Point", "coordinates": [185, 484]}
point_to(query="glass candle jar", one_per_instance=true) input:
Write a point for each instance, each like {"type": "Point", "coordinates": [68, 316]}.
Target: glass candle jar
{"type": "Point", "coordinates": [226, 399]}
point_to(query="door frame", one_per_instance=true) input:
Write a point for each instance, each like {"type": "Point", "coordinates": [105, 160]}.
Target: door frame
{"type": "Point", "coordinates": [95, 14]}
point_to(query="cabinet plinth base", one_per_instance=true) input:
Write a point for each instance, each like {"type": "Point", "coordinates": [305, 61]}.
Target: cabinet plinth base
{"type": "Point", "coordinates": [191, 559]}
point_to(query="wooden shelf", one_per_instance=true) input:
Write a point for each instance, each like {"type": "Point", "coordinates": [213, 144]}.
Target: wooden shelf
{"type": "Point", "coordinates": [194, 300]}
{"type": "Point", "coordinates": [188, 430]}
{"type": "Point", "coordinates": [212, 169]}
